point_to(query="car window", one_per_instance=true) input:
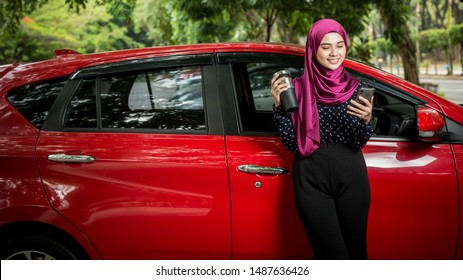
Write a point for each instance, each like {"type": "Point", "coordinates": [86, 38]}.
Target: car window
{"type": "Point", "coordinates": [34, 101]}
{"type": "Point", "coordinates": [393, 115]}
{"type": "Point", "coordinates": [253, 93]}
{"type": "Point", "coordinates": [260, 75]}
{"type": "Point", "coordinates": [82, 109]}
{"type": "Point", "coordinates": [167, 99]}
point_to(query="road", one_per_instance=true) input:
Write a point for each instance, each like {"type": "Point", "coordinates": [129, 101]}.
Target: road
{"type": "Point", "coordinates": [451, 87]}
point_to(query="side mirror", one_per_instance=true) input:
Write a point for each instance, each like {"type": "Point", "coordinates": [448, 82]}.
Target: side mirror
{"type": "Point", "coordinates": [430, 124]}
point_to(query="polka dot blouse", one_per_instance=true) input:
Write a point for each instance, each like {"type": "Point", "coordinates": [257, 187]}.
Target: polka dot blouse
{"type": "Point", "coordinates": [336, 126]}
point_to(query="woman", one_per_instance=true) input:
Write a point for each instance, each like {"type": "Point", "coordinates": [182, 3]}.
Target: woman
{"type": "Point", "coordinates": [331, 186]}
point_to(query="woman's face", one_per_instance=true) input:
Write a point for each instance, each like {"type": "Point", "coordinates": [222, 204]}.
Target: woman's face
{"type": "Point", "coordinates": [332, 51]}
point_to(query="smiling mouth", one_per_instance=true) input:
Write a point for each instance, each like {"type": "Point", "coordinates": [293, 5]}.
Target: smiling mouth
{"type": "Point", "coordinates": [333, 61]}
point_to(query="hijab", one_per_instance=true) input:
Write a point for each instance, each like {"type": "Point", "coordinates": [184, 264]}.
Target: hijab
{"type": "Point", "coordinates": [318, 84]}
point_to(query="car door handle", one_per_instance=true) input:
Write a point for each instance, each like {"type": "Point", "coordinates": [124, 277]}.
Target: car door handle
{"type": "Point", "coordinates": [257, 169]}
{"type": "Point", "coordinates": [71, 158]}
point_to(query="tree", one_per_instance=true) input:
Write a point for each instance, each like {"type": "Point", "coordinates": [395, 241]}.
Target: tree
{"type": "Point", "coordinates": [183, 22]}
{"type": "Point", "coordinates": [244, 20]}
{"type": "Point", "coordinates": [394, 15]}
{"type": "Point", "coordinates": [13, 11]}
{"type": "Point", "coordinates": [456, 37]}
{"type": "Point", "coordinates": [386, 47]}
{"type": "Point", "coordinates": [167, 22]}
{"type": "Point", "coordinates": [54, 26]}
{"type": "Point", "coordinates": [433, 40]}
{"type": "Point", "coordinates": [247, 19]}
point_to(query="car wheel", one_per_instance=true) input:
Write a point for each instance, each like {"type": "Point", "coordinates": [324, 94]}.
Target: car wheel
{"type": "Point", "coordinates": [34, 247]}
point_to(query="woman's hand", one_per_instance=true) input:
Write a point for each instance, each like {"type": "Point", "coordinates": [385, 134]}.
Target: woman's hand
{"type": "Point", "coordinates": [363, 111]}
{"type": "Point", "coordinates": [278, 86]}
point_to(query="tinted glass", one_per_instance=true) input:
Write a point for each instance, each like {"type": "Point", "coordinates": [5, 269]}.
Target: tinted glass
{"type": "Point", "coordinates": [260, 75]}
{"type": "Point", "coordinates": [392, 116]}
{"type": "Point", "coordinates": [168, 99]}
{"type": "Point", "coordinates": [82, 109]}
{"type": "Point", "coordinates": [253, 90]}
{"type": "Point", "coordinates": [34, 101]}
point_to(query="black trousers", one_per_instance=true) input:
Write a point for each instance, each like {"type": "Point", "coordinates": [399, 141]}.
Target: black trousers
{"type": "Point", "coordinates": [332, 195]}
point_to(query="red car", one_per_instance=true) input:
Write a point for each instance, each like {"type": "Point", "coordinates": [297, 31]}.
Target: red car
{"type": "Point", "coordinates": [172, 153]}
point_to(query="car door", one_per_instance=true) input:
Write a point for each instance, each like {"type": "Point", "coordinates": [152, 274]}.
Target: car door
{"type": "Point", "coordinates": [264, 220]}
{"type": "Point", "coordinates": [414, 188]}
{"type": "Point", "coordinates": [129, 155]}
{"type": "Point", "coordinates": [414, 192]}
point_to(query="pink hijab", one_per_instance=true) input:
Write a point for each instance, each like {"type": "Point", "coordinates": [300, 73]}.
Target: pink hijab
{"type": "Point", "coordinates": [318, 84]}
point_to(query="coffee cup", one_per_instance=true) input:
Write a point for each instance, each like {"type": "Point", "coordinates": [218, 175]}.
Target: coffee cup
{"type": "Point", "coordinates": [288, 97]}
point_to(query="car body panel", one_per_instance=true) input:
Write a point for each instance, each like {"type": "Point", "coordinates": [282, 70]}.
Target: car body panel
{"type": "Point", "coordinates": [413, 187]}
{"type": "Point", "coordinates": [33, 216]}
{"type": "Point", "coordinates": [139, 199]}
{"type": "Point", "coordinates": [18, 170]}
{"type": "Point", "coordinates": [265, 224]}
{"type": "Point", "coordinates": [458, 155]}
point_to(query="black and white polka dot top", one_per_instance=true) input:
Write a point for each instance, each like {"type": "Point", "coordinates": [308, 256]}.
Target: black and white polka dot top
{"type": "Point", "coordinates": [336, 126]}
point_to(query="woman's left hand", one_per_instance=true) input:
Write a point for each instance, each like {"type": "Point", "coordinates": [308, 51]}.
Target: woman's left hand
{"type": "Point", "coordinates": [363, 111]}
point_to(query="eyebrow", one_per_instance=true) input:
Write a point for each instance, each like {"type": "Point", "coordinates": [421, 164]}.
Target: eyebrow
{"type": "Point", "coordinates": [330, 44]}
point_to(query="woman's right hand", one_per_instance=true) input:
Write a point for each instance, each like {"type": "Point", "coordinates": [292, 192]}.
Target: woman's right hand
{"type": "Point", "coordinates": [278, 86]}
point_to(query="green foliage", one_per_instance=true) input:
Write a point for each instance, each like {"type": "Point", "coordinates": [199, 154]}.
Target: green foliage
{"type": "Point", "coordinates": [350, 13]}
{"type": "Point", "coordinates": [433, 39]}
{"type": "Point", "coordinates": [30, 30]}
{"type": "Point", "coordinates": [182, 22]}
{"type": "Point", "coordinates": [12, 12]}
{"type": "Point", "coordinates": [456, 34]}
{"type": "Point", "coordinates": [385, 46]}
{"type": "Point", "coordinates": [28, 46]}
{"type": "Point", "coordinates": [361, 50]}
{"type": "Point", "coordinates": [396, 12]}
{"type": "Point", "coordinates": [55, 26]}
{"type": "Point", "coordinates": [240, 20]}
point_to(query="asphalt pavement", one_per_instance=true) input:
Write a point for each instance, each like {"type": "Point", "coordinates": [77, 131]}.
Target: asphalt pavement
{"type": "Point", "coordinates": [450, 87]}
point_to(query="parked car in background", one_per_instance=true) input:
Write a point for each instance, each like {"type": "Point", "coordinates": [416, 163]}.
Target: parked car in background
{"type": "Point", "coordinates": [171, 153]}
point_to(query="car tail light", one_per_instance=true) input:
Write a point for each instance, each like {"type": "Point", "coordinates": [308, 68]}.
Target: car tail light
{"type": "Point", "coordinates": [430, 122]}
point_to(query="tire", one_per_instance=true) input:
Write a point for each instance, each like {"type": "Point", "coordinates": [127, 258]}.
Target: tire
{"type": "Point", "coordinates": [35, 247]}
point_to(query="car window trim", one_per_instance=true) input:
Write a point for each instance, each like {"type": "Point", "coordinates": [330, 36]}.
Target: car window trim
{"type": "Point", "coordinates": [143, 64]}
{"type": "Point", "coordinates": [249, 57]}
{"type": "Point", "coordinates": [55, 119]}
{"type": "Point", "coordinates": [226, 60]}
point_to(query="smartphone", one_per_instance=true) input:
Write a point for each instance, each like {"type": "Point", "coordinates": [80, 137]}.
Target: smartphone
{"type": "Point", "coordinates": [366, 93]}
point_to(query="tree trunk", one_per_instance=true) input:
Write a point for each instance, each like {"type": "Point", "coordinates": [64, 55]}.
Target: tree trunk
{"type": "Point", "coordinates": [461, 58]}
{"type": "Point", "coordinates": [399, 33]}
{"type": "Point", "coordinates": [270, 17]}
{"type": "Point", "coordinates": [407, 52]}
{"type": "Point", "coordinates": [450, 60]}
